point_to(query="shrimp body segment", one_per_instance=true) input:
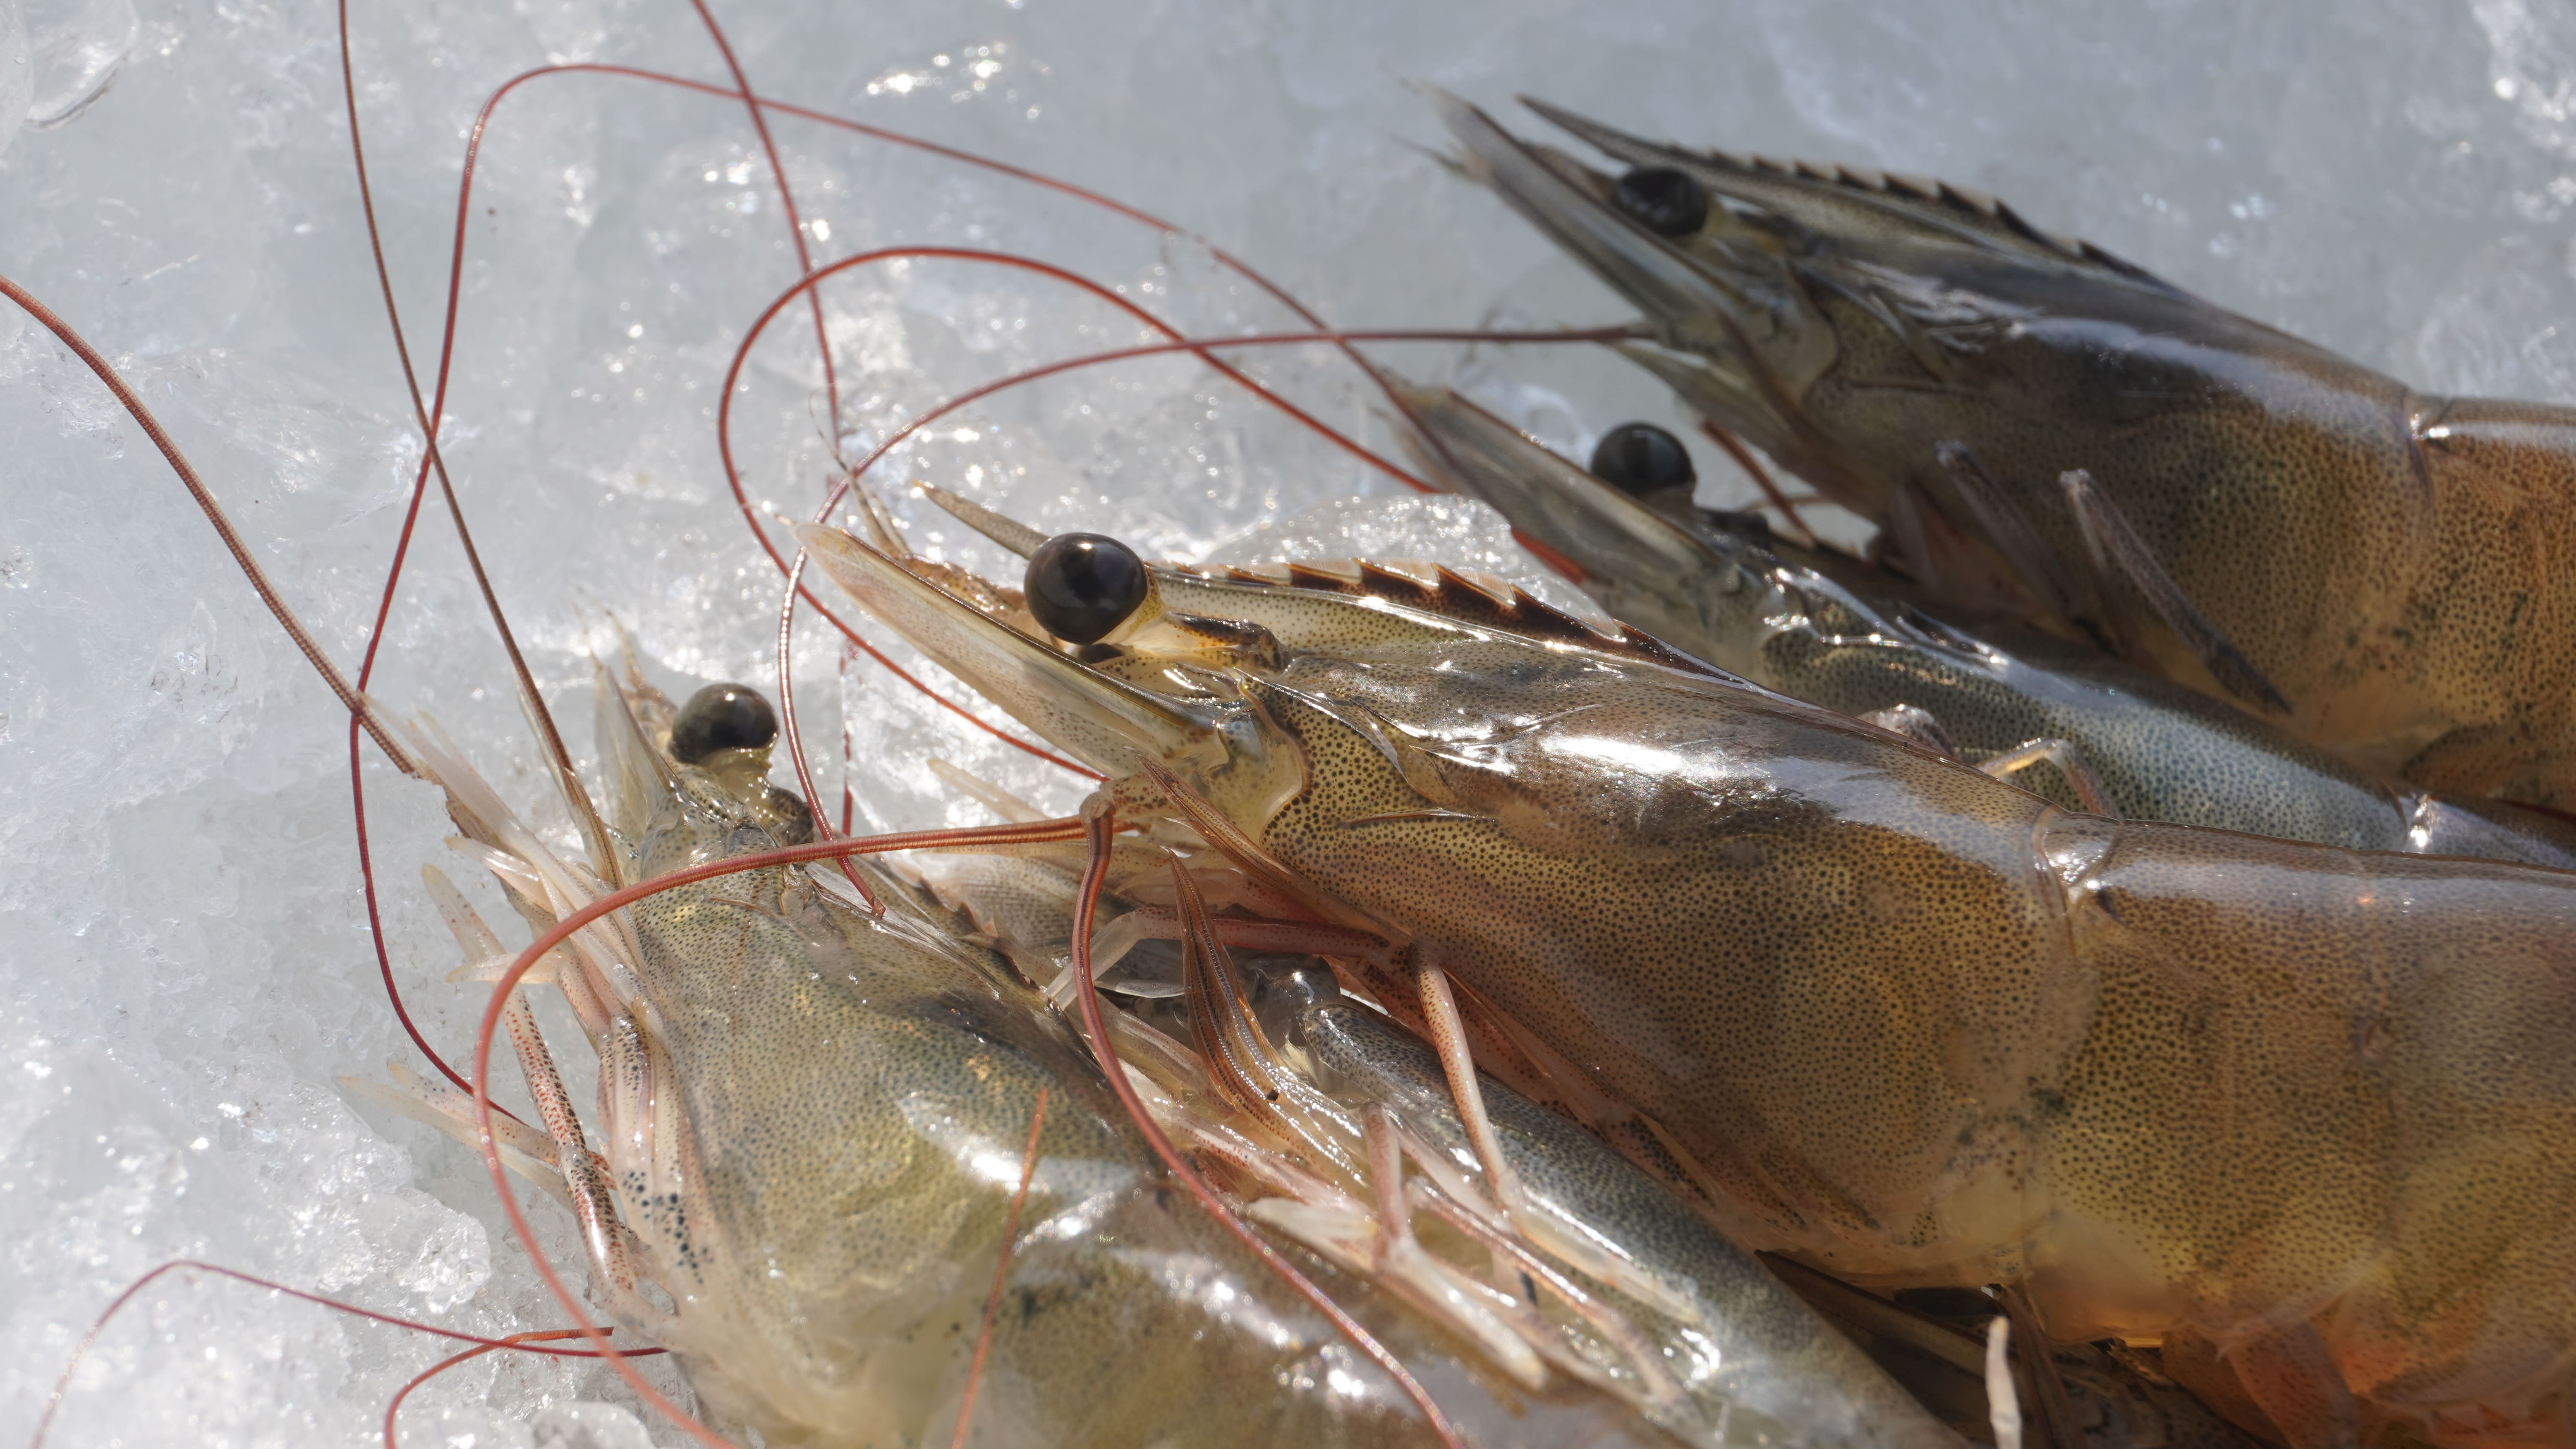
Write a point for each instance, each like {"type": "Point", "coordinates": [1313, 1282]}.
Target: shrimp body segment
{"type": "Point", "coordinates": [1910, 1024]}
{"type": "Point", "coordinates": [2307, 533]}
{"type": "Point", "coordinates": [1833, 632]}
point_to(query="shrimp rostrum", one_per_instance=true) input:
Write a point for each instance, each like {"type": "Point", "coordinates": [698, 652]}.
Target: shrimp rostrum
{"type": "Point", "coordinates": [2302, 1115]}
{"type": "Point", "coordinates": [819, 1126]}
{"type": "Point", "coordinates": [2259, 516]}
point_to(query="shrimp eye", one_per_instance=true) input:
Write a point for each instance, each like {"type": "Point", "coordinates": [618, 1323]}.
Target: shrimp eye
{"type": "Point", "coordinates": [722, 717]}
{"type": "Point", "coordinates": [1662, 200]}
{"type": "Point", "coordinates": [1082, 585]}
{"type": "Point", "coordinates": [1639, 459]}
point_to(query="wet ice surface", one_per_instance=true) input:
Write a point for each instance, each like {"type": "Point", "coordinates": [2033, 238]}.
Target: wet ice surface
{"type": "Point", "coordinates": [184, 967]}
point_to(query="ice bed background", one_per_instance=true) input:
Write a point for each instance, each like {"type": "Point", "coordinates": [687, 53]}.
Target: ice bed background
{"type": "Point", "coordinates": [183, 964]}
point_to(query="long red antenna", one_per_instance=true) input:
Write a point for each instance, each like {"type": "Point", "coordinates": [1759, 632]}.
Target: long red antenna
{"type": "Point", "coordinates": [360, 717]}
{"type": "Point", "coordinates": [428, 416]}
{"type": "Point", "coordinates": [786, 202]}
{"type": "Point", "coordinates": [214, 512]}
{"type": "Point", "coordinates": [1001, 1272]}
{"type": "Point", "coordinates": [524, 1343]}
{"type": "Point", "coordinates": [393, 1409]}
{"type": "Point", "coordinates": [760, 105]}
{"type": "Point", "coordinates": [431, 459]}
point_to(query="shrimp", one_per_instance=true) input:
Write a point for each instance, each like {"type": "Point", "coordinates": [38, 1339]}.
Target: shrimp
{"type": "Point", "coordinates": [2382, 568]}
{"type": "Point", "coordinates": [1903, 1021]}
{"type": "Point", "coordinates": [817, 1126]}
{"type": "Point", "coordinates": [2142, 747]}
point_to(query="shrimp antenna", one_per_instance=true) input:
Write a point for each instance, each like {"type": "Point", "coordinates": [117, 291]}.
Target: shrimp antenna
{"type": "Point", "coordinates": [786, 202]}
{"type": "Point", "coordinates": [521, 1342]}
{"type": "Point", "coordinates": [426, 415]}
{"type": "Point", "coordinates": [259, 581]}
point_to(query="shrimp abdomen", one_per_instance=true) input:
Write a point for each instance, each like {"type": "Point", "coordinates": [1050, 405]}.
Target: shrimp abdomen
{"type": "Point", "coordinates": [2325, 1085]}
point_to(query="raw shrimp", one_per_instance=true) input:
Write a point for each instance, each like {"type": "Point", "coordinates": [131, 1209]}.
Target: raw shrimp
{"type": "Point", "coordinates": [1904, 1021]}
{"type": "Point", "coordinates": [1832, 631]}
{"type": "Point", "coordinates": [819, 1127]}
{"type": "Point", "coordinates": [2386, 569]}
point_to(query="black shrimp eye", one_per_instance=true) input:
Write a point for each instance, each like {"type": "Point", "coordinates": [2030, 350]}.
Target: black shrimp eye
{"type": "Point", "coordinates": [1640, 459]}
{"type": "Point", "coordinates": [722, 717]}
{"type": "Point", "coordinates": [1662, 200]}
{"type": "Point", "coordinates": [1081, 586]}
